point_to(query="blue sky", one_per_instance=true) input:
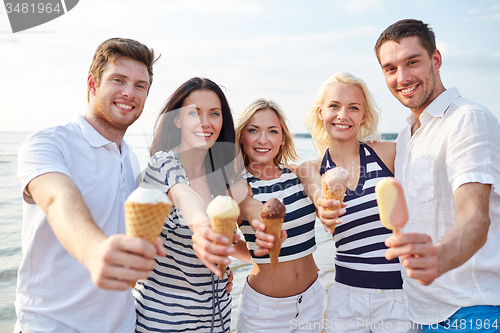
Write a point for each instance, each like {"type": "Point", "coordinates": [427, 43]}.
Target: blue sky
{"type": "Point", "coordinates": [280, 50]}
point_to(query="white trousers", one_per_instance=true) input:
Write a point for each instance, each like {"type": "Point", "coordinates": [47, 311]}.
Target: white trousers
{"type": "Point", "coordinates": [364, 310]}
{"type": "Point", "coordinates": [258, 313]}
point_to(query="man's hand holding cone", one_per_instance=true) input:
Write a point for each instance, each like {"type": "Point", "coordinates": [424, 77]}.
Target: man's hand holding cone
{"type": "Point", "coordinates": [146, 210]}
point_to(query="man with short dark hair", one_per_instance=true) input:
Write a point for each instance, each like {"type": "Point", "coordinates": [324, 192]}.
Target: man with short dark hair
{"type": "Point", "coordinates": [75, 180]}
{"type": "Point", "coordinates": [448, 160]}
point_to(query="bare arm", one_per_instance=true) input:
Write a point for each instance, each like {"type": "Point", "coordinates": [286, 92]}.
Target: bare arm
{"type": "Point", "coordinates": [424, 261]}
{"type": "Point", "coordinates": [470, 230]}
{"type": "Point", "coordinates": [114, 262]}
{"type": "Point", "coordinates": [387, 153]}
{"type": "Point", "coordinates": [193, 210]}
{"type": "Point", "coordinates": [294, 168]}
{"type": "Point", "coordinates": [310, 178]}
{"type": "Point", "coordinates": [250, 211]}
{"type": "Point", "coordinates": [242, 252]}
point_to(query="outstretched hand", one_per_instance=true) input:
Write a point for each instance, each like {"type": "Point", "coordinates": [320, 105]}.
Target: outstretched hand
{"type": "Point", "coordinates": [262, 240]}
{"type": "Point", "coordinates": [329, 218]}
{"type": "Point", "coordinates": [209, 253]}
{"type": "Point", "coordinates": [417, 255]}
{"type": "Point", "coordinates": [120, 260]}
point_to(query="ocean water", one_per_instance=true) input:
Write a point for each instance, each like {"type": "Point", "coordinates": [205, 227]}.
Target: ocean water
{"type": "Point", "coordinates": [10, 226]}
{"type": "Point", "coordinates": [11, 219]}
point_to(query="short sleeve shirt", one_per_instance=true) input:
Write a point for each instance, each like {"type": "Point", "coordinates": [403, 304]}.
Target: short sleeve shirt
{"type": "Point", "coordinates": [164, 171]}
{"type": "Point", "coordinates": [51, 283]}
{"type": "Point", "coordinates": [458, 142]}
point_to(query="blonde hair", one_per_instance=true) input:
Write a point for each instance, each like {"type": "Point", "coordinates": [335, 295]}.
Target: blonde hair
{"type": "Point", "coordinates": [368, 130]}
{"type": "Point", "coordinates": [286, 152]}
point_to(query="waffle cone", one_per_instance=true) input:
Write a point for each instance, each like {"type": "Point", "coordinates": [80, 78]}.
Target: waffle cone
{"type": "Point", "coordinates": [273, 227]}
{"type": "Point", "coordinates": [145, 220]}
{"type": "Point", "coordinates": [224, 227]}
{"type": "Point", "coordinates": [327, 194]}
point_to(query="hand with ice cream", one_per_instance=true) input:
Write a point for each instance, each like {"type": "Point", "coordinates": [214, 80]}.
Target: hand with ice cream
{"type": "Point", "coordinates": [391, 204]}
{"type": "Point", "coordinates": [223, 212]}
{"type": "Point", "coordinates": [334, 185]}
{"type": "Point", "coordinates": [273, 212]}
{"type": "Point", "coordinates": [145, 212]}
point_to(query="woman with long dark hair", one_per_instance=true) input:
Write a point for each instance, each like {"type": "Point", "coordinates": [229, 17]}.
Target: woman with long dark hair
{"type": "Point", "coordinates": [193, 155]}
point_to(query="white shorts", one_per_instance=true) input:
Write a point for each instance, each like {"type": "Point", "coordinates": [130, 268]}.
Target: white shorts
{"type": "Point", "coordinates": [300, 313]}
{"type": "Point", "coordinates": [352, 309]}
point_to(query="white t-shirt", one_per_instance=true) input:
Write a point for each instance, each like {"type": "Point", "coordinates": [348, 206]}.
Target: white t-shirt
{"type": "Point", "coordinates": [54, 291]}
{"type": "Point", "coordinates": [457, 143]}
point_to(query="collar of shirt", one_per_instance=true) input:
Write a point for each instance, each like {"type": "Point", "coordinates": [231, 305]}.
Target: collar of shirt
{"type": "Point", "coordinates": [437, 108]}
{"type": "Point", "coordinates": [95, 139]}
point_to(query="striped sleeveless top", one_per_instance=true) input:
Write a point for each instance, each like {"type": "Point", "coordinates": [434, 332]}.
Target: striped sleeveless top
{"type": "Point", "coordinates": [179, 295]}
{"type": "Point", "coordinates": [299, 219]}
{"type": "Point", "coordinates": [360, 260]}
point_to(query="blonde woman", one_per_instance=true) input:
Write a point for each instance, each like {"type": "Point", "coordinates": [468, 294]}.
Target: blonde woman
{"type": "Point", "coordinates": [368, 288]}
{"type": "Point", "coordinates": [289, 297]}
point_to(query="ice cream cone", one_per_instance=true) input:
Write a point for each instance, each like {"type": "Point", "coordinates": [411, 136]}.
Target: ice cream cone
{"type": "Point", "coordinates": [273, 213]}
{"type": "Point", "coordinates": [339, 195]}
{"type": "Point", "coordinates": [224, 227]}
{"type": "Point", "coordinates": [273, 227]}
{"type": "Point", "coordinates": [145, 220]}
{"type": "Point", "coordinates": [223, 212]}
{"type": "Point", "coordinates": [334, 185]}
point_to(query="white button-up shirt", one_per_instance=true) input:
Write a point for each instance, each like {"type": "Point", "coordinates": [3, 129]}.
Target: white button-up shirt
{"type": "Point", "coordinates": [51, 283]}
{"type": "Point", "coordinates": [458, 142]}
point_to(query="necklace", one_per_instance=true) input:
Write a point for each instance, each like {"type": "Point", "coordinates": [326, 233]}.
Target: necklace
{"type": "Point", "coordinates": [178, 155]}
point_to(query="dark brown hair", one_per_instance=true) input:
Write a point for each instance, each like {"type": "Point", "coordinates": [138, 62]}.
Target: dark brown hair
{"type": "Point", "coordinates": [222, 155]}
{"type": "Point", "coordinates": [113, 48]}
{"type": "Point", "coordinates": [408, 28]}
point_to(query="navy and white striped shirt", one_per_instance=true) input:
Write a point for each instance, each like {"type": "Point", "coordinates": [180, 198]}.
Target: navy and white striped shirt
{"type": "Point", "coordinates": [299, 219]}
{"type": "Point", "coordinates": [360, 260]}
{"type": "Point", "coordinates": [177, 296]}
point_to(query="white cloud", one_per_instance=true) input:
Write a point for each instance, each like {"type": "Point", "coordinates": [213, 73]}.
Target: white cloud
{"type": "Point", "coordinates": [443, 47]}
{"type": "Point", "coordinates": [449, 49]}
{"type": "Point", "coordinates": [357, 7]}
{"type": "Point", "coordinates": [484, 13]}
{"type": "Point", "coordinates": [224, 7]}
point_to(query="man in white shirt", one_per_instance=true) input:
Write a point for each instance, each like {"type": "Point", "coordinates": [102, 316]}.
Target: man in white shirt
{"type": "Point", "coordinates": [448, 160]}
{"type": "Point", "coordinates": [77, 263]}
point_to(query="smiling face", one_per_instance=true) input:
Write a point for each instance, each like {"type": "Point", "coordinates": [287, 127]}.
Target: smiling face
{"type": "Point", "coordinates": [200, 119]}
{"type": "Point", "coordinates": [343, 111]}
{"type": "Point", "coordinates": [119, 99]}
{"type": "Point", "coordinates": [410, 73]}
{"type": "Point", "coordinates": [262, 137]}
